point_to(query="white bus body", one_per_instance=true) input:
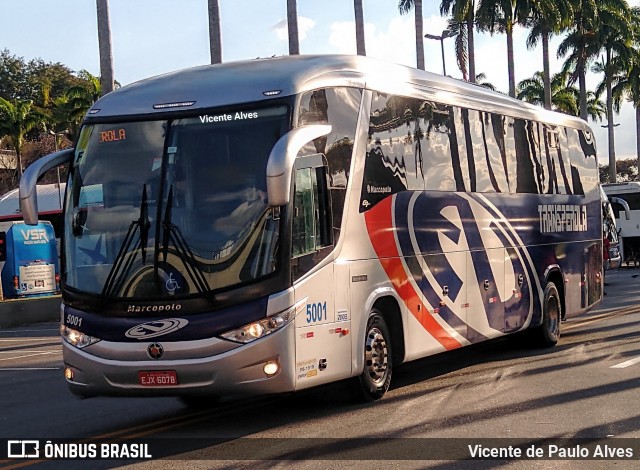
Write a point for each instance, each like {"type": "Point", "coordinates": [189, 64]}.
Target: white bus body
{"type": "Point", "coordinates": [273, 225]}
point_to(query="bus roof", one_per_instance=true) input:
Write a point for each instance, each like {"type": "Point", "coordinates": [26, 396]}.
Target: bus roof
{"type": "Point", "coordinates": [627, 187]}
{"type": "Point", "coordinates": [50, 197]}
{"type": "Point", "coordinates": [250, 81]}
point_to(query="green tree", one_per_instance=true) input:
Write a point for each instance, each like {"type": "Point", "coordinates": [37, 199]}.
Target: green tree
{"type": "Point", "coordinates": [14, 77]}
{"type": "Point", "coordinates": [405, 7]}
{"type": "Point", "coordinates": [564, 97]}
{"type": "Point", "coordinates": [480, 80]}
{"type": "Point", "coordinates": [80, 98]}
{"type": "Point", "coordinates": [458, 31]}
{"type": "Point", "coordinates": [17, 118]}
{"type": "Point", "coordinates": [36, 80]}
{"type": "Point", "coordinates": [626, 170]}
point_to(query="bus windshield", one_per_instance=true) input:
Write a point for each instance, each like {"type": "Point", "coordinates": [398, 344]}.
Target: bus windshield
{"type": "Point", "coordinates": [158, 209]}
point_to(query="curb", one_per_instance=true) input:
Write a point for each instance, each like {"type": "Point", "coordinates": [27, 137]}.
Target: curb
{"type": "Point", "coordinates": [28, 311]}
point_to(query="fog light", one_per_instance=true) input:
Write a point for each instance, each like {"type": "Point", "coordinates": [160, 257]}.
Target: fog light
{"type": "Point", "coordinates": [68, 373]}
{"type": "Point", "coordinates": [271, 367]}
{"type": "Point", "coordinates": [256, 330]}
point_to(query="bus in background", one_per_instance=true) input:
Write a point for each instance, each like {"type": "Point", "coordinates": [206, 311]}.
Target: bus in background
{"type": "Point", "coordinates": [610, 229]}
{"type": "Point", "coordinates": [625, 199]}
{"type": "Point", "coordinates": [50, 197]}
{"type": "Point", "coordinates": [272, 225]}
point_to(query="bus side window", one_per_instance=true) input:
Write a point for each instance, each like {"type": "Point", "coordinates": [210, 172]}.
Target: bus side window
{"type": "Point", "coordinates": [311, 228]}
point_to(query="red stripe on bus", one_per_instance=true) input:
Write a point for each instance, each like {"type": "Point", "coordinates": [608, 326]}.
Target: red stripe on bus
{"type": "Point", "coordinates": [381, 233]}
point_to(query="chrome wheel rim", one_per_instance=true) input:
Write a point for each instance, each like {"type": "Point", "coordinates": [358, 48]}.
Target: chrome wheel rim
{"type": "Point", "coordinates": [376, 357]}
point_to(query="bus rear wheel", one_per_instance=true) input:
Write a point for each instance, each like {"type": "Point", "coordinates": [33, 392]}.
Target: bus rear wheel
{"type": "Point", "coordinates": [548, 334]}
{"type": "Point", "coordinates": [376, 376]}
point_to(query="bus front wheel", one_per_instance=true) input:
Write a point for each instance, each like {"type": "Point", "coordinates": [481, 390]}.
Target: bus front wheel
{"type": "Point", "coordinates": [376, 377]}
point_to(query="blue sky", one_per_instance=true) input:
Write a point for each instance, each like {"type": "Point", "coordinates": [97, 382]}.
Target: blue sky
{"type": "Point", "coordinates": [156, 36]}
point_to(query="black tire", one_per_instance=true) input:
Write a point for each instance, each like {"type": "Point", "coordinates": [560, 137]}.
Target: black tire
{"type": "Point", "coordinates": [548, 333]}
{"type": "Point", "coordinates": [378, 365]}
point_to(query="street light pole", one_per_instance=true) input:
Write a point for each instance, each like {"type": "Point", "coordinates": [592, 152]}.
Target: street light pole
{"type": "Point", "coordinates": [445, 34]}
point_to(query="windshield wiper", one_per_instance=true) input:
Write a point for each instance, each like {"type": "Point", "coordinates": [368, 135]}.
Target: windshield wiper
{"type": "Point", "coordinates": [171, 233]}
{"type": "Point", "coordinates": [122, 264]}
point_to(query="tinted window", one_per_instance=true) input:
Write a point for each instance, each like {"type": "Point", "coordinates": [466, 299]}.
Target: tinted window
{"type": "Point", "coordinates": [338, 107]}
{"type": "Point", "coordinates": [581, 152]}
{"type": "Point", "coordinates": [488, 152]}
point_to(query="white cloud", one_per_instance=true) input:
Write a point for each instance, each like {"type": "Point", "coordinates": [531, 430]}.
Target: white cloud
{"type": "Point", "coordinates": [304, 26]}
{"type": "Point", "coordinates": [395, 43]}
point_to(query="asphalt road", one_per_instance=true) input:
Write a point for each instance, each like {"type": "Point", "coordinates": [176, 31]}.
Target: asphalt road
{"type": "Point", "coordinates": [495, 394]}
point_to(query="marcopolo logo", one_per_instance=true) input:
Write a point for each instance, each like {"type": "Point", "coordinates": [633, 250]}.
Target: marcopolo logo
{"type": "Point", "coordinates": [156, 328]}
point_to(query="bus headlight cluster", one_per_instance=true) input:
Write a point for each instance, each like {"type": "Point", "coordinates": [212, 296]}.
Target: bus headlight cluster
{"type": "Point", "coordinates": [76, 338]}
{"type": "Point", "coordinates": [259, 329]}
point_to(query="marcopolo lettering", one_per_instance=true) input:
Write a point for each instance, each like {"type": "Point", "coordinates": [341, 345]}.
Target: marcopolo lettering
{"type": "Point", "coordinates": [562, 218]}
{"type": "Point", "coordinates": [153, 308]}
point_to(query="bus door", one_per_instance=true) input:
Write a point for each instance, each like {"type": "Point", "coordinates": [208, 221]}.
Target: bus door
{"type": "Point", "coordinates": [323, 342]}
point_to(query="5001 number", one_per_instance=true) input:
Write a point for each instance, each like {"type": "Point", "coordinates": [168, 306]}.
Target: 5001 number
{"type": "Point", "coordinates": [316, 312]}
{"type": "Point", "coordinates": [73, 320]}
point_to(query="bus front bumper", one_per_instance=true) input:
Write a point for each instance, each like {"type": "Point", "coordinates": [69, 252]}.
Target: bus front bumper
{"type": "Point", "coordinates": [240, 369]}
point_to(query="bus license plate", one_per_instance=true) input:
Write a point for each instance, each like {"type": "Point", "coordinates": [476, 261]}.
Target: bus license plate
{"type": "Point", "coordinates": [157, 378]}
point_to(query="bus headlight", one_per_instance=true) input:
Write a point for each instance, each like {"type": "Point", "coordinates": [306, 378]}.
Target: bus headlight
{"type": "Point", "coordinates": [76, 338]}
{"type": "Point", "coordinates": [259, 329]}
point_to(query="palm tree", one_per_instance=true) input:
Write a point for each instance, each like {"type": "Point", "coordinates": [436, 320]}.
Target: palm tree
{"type": "Point", "coordinates": [502, 16]}
{"type": "Point", "coordinates": [581, 44]}
{"type": "Point", "coordinates": [357, 7]}
{"type": "Point", "coordinates": [458, 30]}
{"type": "Point", "coordinates": [292, 25]}
{"type": "Point", "coordinates": [480, 80]}
{"type": "Point", "coordinates": [626, 83]}
{"type": "Point", "coordinates": [614, 36]}
{"type": "Point", "coordinates": [104, 44]}
{"type": "Point", "coordinates": [463, 12]}
{"type": "Point", "coordinates": [215, 37]}
{"type": "Point", "coordinates": [17, 118]}
{"type": "Point", "coordinates": [547, 17]}
{"type": "Point", "coordinates": [80, 98]}
{"type": "Point", "coordinates": [564, 98]}
{"type": "Point", "coordinates": [405, 6]}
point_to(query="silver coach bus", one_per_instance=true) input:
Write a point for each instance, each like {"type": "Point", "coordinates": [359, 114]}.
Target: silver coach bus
{"type": "Point", "coordinates": [277, 224]}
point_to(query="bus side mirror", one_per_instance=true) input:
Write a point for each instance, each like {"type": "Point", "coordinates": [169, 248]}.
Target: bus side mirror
{"type": "Point", "coordinates": [282, 160]}
{"type": "Point", "coordinates": [28, 195]}
{"type": "Point", "coordinates": [624, 204]}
